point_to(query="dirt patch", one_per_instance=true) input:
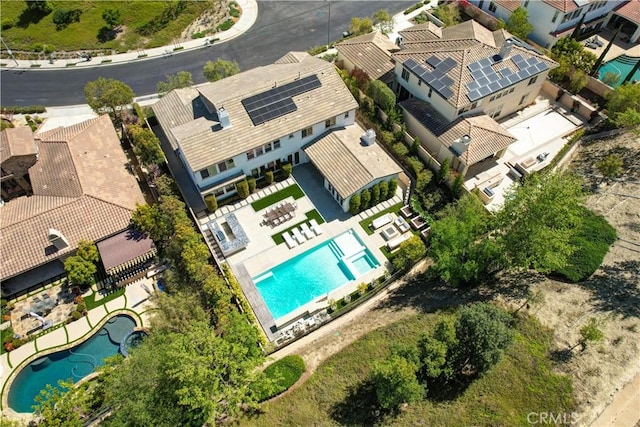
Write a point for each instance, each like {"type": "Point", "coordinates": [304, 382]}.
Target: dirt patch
{"type": "Point", "coordinates": [208, 21]}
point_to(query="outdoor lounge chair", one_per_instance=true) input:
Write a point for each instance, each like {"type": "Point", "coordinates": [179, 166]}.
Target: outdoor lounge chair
{"type": "Point", "coordinates": [315, 227]}
{"type": "Point", "coordinates": [289, 240]}
{"type": "Point", "coordinates": [307, 231]}
{"type": "Point", "coordinates": [297, 235]}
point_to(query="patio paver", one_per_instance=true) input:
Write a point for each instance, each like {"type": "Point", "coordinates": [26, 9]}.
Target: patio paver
{"type": "Point", "coordinates": [116, 304]}
{"type": "Point", "coordinates": [52, 339]}
{"type": "Point", "coordinates": [20, 354]}
{"type": "Point", "coordinates": [78, 329]}
{"type": "Point", "coordinates": [96, 315]}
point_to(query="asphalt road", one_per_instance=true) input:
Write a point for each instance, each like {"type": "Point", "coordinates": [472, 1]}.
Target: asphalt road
{"type": "Point", "coordinates": [281, 26]}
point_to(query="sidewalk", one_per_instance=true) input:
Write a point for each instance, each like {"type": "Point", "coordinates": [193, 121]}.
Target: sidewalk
{"type": "Point", "coordinates": [247, 19]}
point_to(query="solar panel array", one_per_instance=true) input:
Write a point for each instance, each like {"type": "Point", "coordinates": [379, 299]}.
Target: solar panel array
{"type": "Point", "coordinates": [487, 81]}
{"type": "Point", "coordinates": [436, 78]}
{"type": "Point", "coordinates": [277, 102]}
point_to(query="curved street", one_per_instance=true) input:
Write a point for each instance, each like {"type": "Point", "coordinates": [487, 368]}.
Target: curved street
{"type": "Point", "coordinates": [281, 26]}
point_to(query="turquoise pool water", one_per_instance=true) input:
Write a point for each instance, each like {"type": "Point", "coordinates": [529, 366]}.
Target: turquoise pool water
{"type": "Point", "coordinates": [74, 363]}
{"type": "Point", "coordinates": [621, 66]}
{"type": "Point", "coordinates": [314, 273]}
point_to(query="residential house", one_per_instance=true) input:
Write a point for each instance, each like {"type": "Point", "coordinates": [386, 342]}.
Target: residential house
{"type": "Point", "coordinates": [79, 189]}
{"type": "Point", "coordinates": [256, 121]}
{"type": "Point", "coordinates": [628, 16]}
{"type": "Point", "coordinates": [553, 19]}
{"type": "Point", "coordinates": [370, 53]}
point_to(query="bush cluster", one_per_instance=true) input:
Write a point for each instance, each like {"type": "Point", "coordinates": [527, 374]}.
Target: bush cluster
{"type": "Point", "coordinates": [285, 372]}
{"type": "Point", "coordinates": [30, 109]}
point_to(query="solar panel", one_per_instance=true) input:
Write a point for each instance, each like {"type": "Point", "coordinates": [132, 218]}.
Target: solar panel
{"type": "Point", "coordinates": [506, 72]}
{"type": "Point", "coordinates": [493, 77]}
{"type": "Point", "coordinates": [429, 78]}
{"type": "Point", "coordinates": [446, 93]}
{"type": "Point", "coordinates": [494, 86]}
{"type": "Point", "coordinates": [437, 74]}
{"type": "Point", "coordinates": [526, 73]}
{"type": "Point", "coordinates": [433, 61]}
{"type": "Point", "coordinates": [504, 82]}
{"type": "Point", "coordinates": [446, 80]}
{"type": "Point", "coordinates": [409, 63]}
{"type": "Point", "coordinates": [477, 74]}
{"type": "Point", "coordinates": [514, 78]}
{"type": "Point", "coordinates": [485, 62]}
{"type": "Point", "coordinates": [541, 66]}
{"type": "Point", "coordinates": [473, 95]}
{"type": "Point", "coordinates": [483, 81]}
{"type": "Point", "coordinates": [484, 91]}
{"type": "Point", "coordinates": [447, 64]}
{"type": "Point", "coordinates": [422, 74]}
{"type": "Point", "coordinates": [272, 111]}
{"type": "Point", "coordinates": [474, 66]}
{"type": "Point", "coordinates": [517, 58]}
{"type": "Point", "coordinates": [472, 86]}
{"type": "Point", "coordinates": [532, 61]}
{"type": "Point", "coordinates": [437, 85]}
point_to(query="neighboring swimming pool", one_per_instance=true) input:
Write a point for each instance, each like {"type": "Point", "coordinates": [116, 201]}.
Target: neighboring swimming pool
{"type": "Point", "coordinates": [621, 66]}
{"type": "Point", "coordinates": [74, 363]}
{"type": "Point", "coordinates": [314, 273]}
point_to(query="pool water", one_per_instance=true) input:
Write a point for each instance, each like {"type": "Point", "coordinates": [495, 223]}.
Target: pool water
{"type": "Point", "coordinates": [621, 66]}
{"type": "Point", "coordinates": [74, 363]}
{"type": "Point", "coordinates": [314, 273]}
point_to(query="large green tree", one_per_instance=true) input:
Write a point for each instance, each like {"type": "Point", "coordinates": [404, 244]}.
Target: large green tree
{"type": "Point", "coordinates": [410, 251]}
{"type": "Point", "coordinates": [146, 145]}
{"type": "Point", "coordinates": [448, 13]}
{"type": "Point", "coordinates": [108, 96]}
{"type": "Point", "coordinates": [79, 271]}
{"type": "Point", "coordinates": [360, 26]}
{"type": "Point", "coordinates": [174, 81]}
{"type": "Point", "coordinates": [572, 52]}
{"type": "Point", "coordinates": [60, 406]}
{"type": "Point", "coordinates": [539, 219]}
{"type": "Point", "coordinates": [623, 105]}
{"type": "Point", "coordinates": [220, 69]}
{"type": "Point", "coordinates": [395, 382]}
{"type": "Point", "coordinates": [518, 23]}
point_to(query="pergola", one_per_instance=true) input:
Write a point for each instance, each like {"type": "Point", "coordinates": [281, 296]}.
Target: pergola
{"type": "Point", "coordinates": [125, 251]}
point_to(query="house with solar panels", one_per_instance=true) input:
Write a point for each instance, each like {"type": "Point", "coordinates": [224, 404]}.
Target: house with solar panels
{"type": "Point", "coordinates": [455, 83]}
{"type": "Point", "coordinates": [260, 119]}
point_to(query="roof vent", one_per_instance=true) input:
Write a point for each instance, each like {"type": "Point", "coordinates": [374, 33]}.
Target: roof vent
{"type": "Point", "coordinates": [461, 144]}
{"type": "Point", "coordinates": [505, 50]}
{"type": "Point", "coordinates": [57, 239]}
{"type": "Point", "coordinates": [399, 41]}
{"type": "Point", "coordinates": [369, 137]}
{"type": "Point", "coordinates": [223, 117]}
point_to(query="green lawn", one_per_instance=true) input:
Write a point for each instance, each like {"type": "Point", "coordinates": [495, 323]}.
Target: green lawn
{"type": "Point", "coordinates": [312, 214]}
{"type": "Point", "coordinates": [21, 31]}
{"type": "Point", "coordinates": [522, 382]}
{"type": "Point", "coordinates": [290, 191]}
{"type": "Point", "coordinates": [366, 222]}
{"type": "Point", "coordinates": [90, 301]}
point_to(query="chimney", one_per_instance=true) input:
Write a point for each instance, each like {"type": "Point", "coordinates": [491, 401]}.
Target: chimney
{"type": "Point", "coordinates": [57, 239]}
{"type": "Point", "coordinates": [223, 118]}
{"type": "Point", "coordinates": [369, 137]}
{"type": "Point", "coordinates": [461, 144]}
{"type": "Point", "coordinates": [505, 50]}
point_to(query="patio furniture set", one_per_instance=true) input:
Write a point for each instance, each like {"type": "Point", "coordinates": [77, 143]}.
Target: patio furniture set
{"type": "Point", "coordinates": [299, 236]}
{"type": "Point", "coordinates": [280, 213]}
{"type": "Point", "coordinates": [594, 43]}
{"type": "Point", "coordinates": [416, 221]}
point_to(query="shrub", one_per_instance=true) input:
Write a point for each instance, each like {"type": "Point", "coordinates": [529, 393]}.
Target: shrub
{"type": "Point", "coordinates": [286, 170]}
{"type": "Point", "coordinates": [251, 182]}
{"type": "Point", "coordinates": [198, 35]}
{"type": "Point", "coordinates": [415, 165]}
{"type": "Point", "coordinates": [81, 307]}
{"type": "Point", "coordinates": [225, 25]}
{"type": "Point", "coordinates": [211, 202]}
{"type": "Point", "coordinates": [243, 189]}
{"type": "Point", "coordinates": [285, 372]}
{"type": "Point", "coordinates": [354, 204]}
{"type": "Point", "coordinates": [400, 149]}
{"type": "Point", "coordinates": [393, 186]}
{"type": "Point", "coordinates": [384, 190]}
{"type": "Point", "coordinates": [412, 8]}
{"type": "Point", "coordinates": [76, 315]}
{"type": "Point", "coordinates": [365, 199]}
{"type": "Point", "coordinates": [268, 177]}
{"type": "Point", "coordinates": [375, 195]}
{"type": "Point", "coordinates": [234, 12]}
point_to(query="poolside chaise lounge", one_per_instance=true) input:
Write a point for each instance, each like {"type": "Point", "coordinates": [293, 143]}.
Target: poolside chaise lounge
{"type": "Point", "coordinates": [297, 235]}
{"type": "Point", "coordinates": [382, 221]}
{"type": "Point", "coordinates": [307, 231]}
{"type": "Point", "coordinates": [289, 240]}
{"type": "Point", "coordinates": [315, 227]}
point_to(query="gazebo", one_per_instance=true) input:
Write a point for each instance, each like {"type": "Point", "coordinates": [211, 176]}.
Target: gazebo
{"type": "Point", "coordinates": [126, 254]}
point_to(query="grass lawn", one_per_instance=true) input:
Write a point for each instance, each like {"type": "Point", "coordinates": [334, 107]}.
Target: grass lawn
{"type": "Point", "coordinates": [27, 29]}
{"type": "Point", "coordinates": [291, 191]}
{"type": "Point", "coordinates": [91, 302]}
{"type": "Point", "coordinates": [312, 214]}
{"type": "Point", "coordinates": [365, 222]}
{"type": "Point", "coordinates": [522, 382]}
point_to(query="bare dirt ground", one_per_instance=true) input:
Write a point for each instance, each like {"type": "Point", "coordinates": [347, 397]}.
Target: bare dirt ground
{"type": "Point", "coordinates": [611, 295]}
{"type": "Point", "coordinates": [207, 21]}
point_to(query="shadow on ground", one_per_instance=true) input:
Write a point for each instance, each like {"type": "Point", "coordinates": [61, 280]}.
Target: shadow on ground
{"type": "Point", "coordinates": [616, 288]}
{"type": "Point", "coordinates": [359, 407]}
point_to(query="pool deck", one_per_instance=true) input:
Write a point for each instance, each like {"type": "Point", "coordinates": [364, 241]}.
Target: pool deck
{"type": "Point", "coordinates": [134, 302]}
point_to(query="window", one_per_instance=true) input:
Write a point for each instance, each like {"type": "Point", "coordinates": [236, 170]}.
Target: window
{"type": "Point", "coordinates": [492, 98]}
{"type": "Point", "coordinates": [346, 115]}
{"type": "Point", "coordinates": [330, 122]}
{"type": "Point", "coordinates": [492, 7]}
{"type": "Point", "coordinates": [497, 112]}
{"type": "Point", "coordinates": [474, 105]}
{"type": "Point", "coordinates": [219, 192]}
{"type": "Point", "coordinates": [222, 166]}
{"type": "Point", "coordinates": [524, 98]}
{"type": "Point", "coordinates": [230, 187]}
{"type": "Point", "coordinates": [575, 14]}
{"type": "Point", "coordinates": [499, 95]}
{"type": "Point", "coordinates": [405, 75]}
{"type": "Point", "coordinates": [250, 155]}
{"type": "Point", "coordinates": [533, 80]}
{"type": "Point", "coordinates": [430, 92]}
{"type": "Point", "coordinates": [480, 4]}
{"type": "Point", "coordinates": [276, 144]}
{"type": "Point", "coordinates": [419, 82]}
{"type": "Point", "coordinates": [291, 136]}
{"type": "Point", "coordinates": [555, 16]}
{"type": "Point", "coordinates": [204, 173]}
{"type": "Point", "coordinates": [566, 17]}
{"type": "Point", "coordinates": [512, 89]}
{"type": "Point", "coordinates": [307, 132]}
{"type": "Point", "coordinates": [259, 151]}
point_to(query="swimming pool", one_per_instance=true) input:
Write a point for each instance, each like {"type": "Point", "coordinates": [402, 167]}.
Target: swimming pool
{"type": "Point", "coordinates": [75, 363]}
{"type": "Point", "coordinates": [314, 273]}
{"type": "Point", "coordinates": [621, 66]}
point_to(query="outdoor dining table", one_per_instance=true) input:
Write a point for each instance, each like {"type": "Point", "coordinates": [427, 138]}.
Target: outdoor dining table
{"type": "Point", "coordinates": [276, 214]}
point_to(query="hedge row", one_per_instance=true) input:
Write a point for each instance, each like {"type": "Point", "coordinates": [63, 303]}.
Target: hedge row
{"type": "Point", "coordinates": [30, 109]}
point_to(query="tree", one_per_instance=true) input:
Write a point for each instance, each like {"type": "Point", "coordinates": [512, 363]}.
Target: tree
{"type": "Point", "coordinates": [40, 7]}
{"type": "Point", "coordinates": [112, 18]}
{"type": "Point", "coordinates": [384, 190]}
{"type": "Point", "coordinates": [573, 53]}
{"type": "Point", "coordinates": [423, 180]}
{"type": "Point", "coordinates": [384, 20]}
{"type": "Point", "coordinates": [214, 71]}
{"type": "Point", "coordinates": [88, 251]}
{"type": "Point", "coordinates": [448, 13]}
{"type": "Point", "coordinates": [365, 199]}
{"type": "Point", "coordinates": [393, 186]}
{"type": "Point", "coordinates": [458, 243]}
{"type": "Point", "coordinates": [395, 382]}
{"type": "Point", "coordinates": [624, 105]}
{"type": "Point", "coordinates": [610, 166]}
{"type": "Point", "coordinates": [354, 204]}
{"type": "Point", "coordinates": [410, 251]}
{"type": "Point", "coordinates": [60, 406]}
{"type": "Point", "coordinates": [458, 186]}
{"type": "Point", "coordinates": [610, 78]}
{"type": "Point", "coordinates": [251, 182]}
{"type": "Point", "coordinates": [590, 332]}
{"type": "Point", "coordinates": [375, 195]}
{"type": "Point", "coordinates": [108, 96]}
{"type": "Point", "coordinates": [146, 145]}
{"type": "Point", "coordinates": [268, 177]}
{"type": "Point", "coordinates": [445, 169]}
{"type": "Point", "coordinates": [433, 355]}
{"type": "Point", "coordinates": [538, 221]}
{"type": "Point", "coordinates": [518, 24]}
{"type": "Point", "coordinates": [174, 81]}
{"type": "Point", "coordinates": [360, 26]}
{"type": "Point", "coordinates": [287, 168]}
{"type": "Point", "coordinates": [579, 80]}
{"type": "Point", "coordinates": [382, 95]}
{"type": "Point", "coordinates": [243, 189]}
{"type": "Point", "coordinates": [79, 270]}
{"type": "Point", "coordinates": [483, 333]}
{"type": "Point", "coordinates": [211, 202]}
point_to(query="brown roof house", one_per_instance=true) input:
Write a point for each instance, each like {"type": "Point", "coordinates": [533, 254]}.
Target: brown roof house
{"type": "Point", "coordinates": [370, 53]}
{"type": "Point", "coordinates": [80, 188]}
{"type": "Point", "coordinates": [254, 121]}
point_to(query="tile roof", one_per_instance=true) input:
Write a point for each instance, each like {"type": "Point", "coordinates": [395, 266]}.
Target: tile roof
{"type": "Point", "coordinates": [630, 10]}
{"type": "Point", "coordinates": [562, 5]}
{"type": "Point", "coordinates": [205, 143]}
{"type": "Point", "coordinates": [347, 163]}
{"type": "Point", "coordinates": [17, 142]}
{"type": "Point", "coordinates": [370, 53]}
{"type": "Point", "coordinates": [81, 187]}
{"type": "Point", "coordinates": [487, 136]}
{"type": "Point", "coordinates": [425, 31]}
{"type": "Point", "coordinates": [510, 5]}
